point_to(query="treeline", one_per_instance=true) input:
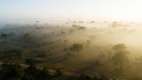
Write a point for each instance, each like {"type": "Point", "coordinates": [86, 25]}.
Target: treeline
{"type": "Point", "coordinates": [9, 71]}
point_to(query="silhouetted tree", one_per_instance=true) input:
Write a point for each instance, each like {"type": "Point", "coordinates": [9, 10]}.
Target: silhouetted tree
{"type": "Point", "coordinates": [119, 59]}
{"type": "Point", "coordinates": [11, 72]}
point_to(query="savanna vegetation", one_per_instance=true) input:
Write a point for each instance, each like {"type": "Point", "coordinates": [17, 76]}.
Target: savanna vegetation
{"type": "Point", "coordinates": [73, 52]}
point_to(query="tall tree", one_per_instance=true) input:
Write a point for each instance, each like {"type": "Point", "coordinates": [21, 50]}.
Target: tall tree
{"type": "Point", "coordinates": [119, 59]}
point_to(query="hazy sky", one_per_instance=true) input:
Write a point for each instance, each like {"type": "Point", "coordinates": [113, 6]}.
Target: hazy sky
{"type": "Point", "coordinates": [115, 9]}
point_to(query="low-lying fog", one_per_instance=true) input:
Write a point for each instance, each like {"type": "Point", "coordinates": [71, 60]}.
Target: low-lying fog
{"type": "Point", "coordinates": [91, 48]}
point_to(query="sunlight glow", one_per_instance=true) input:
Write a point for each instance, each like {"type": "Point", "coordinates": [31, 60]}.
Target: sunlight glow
{"type": "Point", "coordinates": [121, 9]}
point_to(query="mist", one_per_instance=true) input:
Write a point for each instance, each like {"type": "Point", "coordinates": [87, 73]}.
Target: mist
{"type": "Point", "coordinates": [108, 49]}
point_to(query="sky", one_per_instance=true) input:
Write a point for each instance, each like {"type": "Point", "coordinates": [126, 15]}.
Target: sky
{"type": "Point", "coordinates": [76, 9]}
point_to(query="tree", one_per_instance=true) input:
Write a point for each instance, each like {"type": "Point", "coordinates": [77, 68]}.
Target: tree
{"type": "Point", "coordinates": [11, 72]}
{"type": "Point", "coordinates": [120, 54]}
{"type": "Point", "coordinates": [76, 47]}
{"type": "Point", "coordinates": [119, 59]}
{"type": "Point", "coordinates": [27, 37]}
{"type": "Point", "coordinates": [4, 35]}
